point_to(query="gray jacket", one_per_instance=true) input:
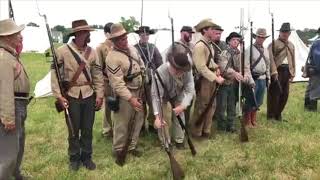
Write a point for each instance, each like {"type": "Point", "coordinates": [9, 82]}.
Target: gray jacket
{"type": "Point", "coordinates": [181, 90]}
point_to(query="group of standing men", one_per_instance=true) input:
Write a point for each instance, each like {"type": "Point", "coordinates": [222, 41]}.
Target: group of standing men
{"type": "Point", "coordinates": [134, 80]}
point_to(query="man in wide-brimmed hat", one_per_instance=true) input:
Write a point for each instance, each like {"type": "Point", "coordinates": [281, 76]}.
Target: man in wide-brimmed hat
{"type": "Point", "coordinates": [258, 58]}
{"type": "Point", "coordinates": [283, 70]}
{"type": "Point", "coordinates": [208, 76]}
{"type": "Point", "coordinates": [229, 64]}
{"type": "Point", "coordinates": [184, 45]}
{"type": "Point", "coordinates": [102, 50]}
{"type": "Point", "coordinates": [14, 98]}
{"type": "Point", "coordinates": [125, 70]}
{"type": "Point", "coordinates": [84, 89]}
{"type": "Point", "coordinates": [178, 85]}
{"type": "Point", "coordinates": [151, 57]}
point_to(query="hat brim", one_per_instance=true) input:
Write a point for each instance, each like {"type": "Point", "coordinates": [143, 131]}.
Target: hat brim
{"type": "Point", "coordinates": [179, 68]}
{"type": "Point", "coordinates": [286, 30]}
{"type": "Point", "coordinates": [150, 32]}
{"type": "Point", "coordinates": [118, 34]}
{"type": "Point", "coordinates": [255, 35]}
{"type": "Point", "coordinates": [81, 28]}
{"type": "Point", "coordinates": [14, 31]}
{"type": "Point", "coordinates": [189, 32]}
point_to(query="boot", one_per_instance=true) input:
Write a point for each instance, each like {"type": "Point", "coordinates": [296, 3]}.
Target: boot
{"type": "Point", "coordinates": [247, 119]}
{"type": "Point", "coordinates": [87, 161]}
{"type": "Point", "coordinates": [253, 118]}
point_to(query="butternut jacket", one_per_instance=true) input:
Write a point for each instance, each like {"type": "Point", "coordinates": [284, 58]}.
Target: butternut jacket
{"type": "Point", "coordinates": [118, 65]}
{"type": "Point", "coordinates": [69, 67]}
{"type": "Point", "coordinates": [278, 56]}
{"type": "Point", "coordinates": [13, 79]}
{"type": "Point", "coordinates": [200, 58]}
{"type": "Point", "coordinates": [102, 50]}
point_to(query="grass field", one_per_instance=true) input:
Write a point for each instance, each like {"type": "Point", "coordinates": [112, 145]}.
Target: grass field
{"type": "Point", "coordinates": [288, 150]}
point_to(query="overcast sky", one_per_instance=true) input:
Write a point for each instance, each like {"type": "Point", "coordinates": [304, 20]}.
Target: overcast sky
{"type": "Point", "coordinates": [301, 14]}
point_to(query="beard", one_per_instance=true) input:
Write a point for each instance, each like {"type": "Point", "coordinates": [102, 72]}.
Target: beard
{"type": "Point", "coordinates": [187, 38]}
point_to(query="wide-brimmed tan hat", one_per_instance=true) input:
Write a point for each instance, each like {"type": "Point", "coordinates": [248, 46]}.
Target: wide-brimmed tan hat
{"type": "Point", "coordinates": [207, 23]}
{"type": "Point", "coordinates": [180, 61]}
{"type": "Point", "coordinates": [9, 27]}
{"type": "Point", "coordinates": [261, 32]}
{"type": "Point", "coordinates": [79, 25]}
{"type": "Point", "coordinates": [117, 30]}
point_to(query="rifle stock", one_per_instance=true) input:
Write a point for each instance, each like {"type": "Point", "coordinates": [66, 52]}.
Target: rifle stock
{"type": "Point", "coordinates": [177, 172]}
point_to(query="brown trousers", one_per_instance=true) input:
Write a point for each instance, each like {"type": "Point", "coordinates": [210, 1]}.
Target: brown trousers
{"type": "Point", "coordinates": [121, 124]}
{"type": "Point", "coordinates": [277, 100]}
{"type": "Point", "coordinates": [202, 100]}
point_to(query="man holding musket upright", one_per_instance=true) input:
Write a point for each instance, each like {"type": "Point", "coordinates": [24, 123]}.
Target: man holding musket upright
{"type": "Point", "coordinates": [83, 82]}
{"type": "Point", "coordinates": [151, 57]}
{"type": "Point", "coordinates": [14, 98]}
{"type": "Point", "coordinates": [231, 67]}
{"type": "Point", "coordinates": [209, 76]}
{"type": "Point", "coordinates": [258, 58]}
{"type": "Point", "coordinates": [283, 70]}
{"type": "Point", "coordinates": [125, 71]}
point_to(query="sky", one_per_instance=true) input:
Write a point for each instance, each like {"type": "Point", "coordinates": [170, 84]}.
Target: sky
{"type": "Point", "coordinates": [301, 14]}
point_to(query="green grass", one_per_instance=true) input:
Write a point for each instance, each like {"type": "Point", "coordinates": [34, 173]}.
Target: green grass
{"type": "Point", "coordinates": [276, 150]}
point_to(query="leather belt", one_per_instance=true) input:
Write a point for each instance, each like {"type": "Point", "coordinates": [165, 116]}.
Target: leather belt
{"type": "Point", "coordinates": [19, 94]}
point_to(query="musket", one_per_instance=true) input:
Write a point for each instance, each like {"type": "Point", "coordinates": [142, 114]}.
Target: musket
{"type": "Point", "coordinates": [252, 92]}
{"type": "Point", "coordinates": [11, 14]}
{"type": "Point", "coordinates": [201, 118]}
{"type": "Point", "coordinates": [243, 131]}
{"type": "Point", "coordinates": [131, 125]}
{"type": "Point", "coordinates": [176, 169]}
{"type": "Point", "coordinates": [251, 43]}
{"type": "Point", "coordinates": [274, 51]}
{"type": "Point", "coordinates": [55, 66]}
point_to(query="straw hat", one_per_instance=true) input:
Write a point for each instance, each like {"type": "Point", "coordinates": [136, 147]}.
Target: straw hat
{"type": "Point", "coordinates": [261, 32]}
{"type": "Point", "coordinates": [9, 27]}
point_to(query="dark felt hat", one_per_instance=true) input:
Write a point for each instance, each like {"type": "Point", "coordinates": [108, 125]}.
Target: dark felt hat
{"type": "Point", "coordinates": [233, 35]}
{"type": "Point", "coordinates": [145, 29]}
{"type": "Point", "coordinates": [285, 27]}
{"type": "Point", "coordinates": [187, 29]}
{"type": "Point", "coordinates": [107, 27]}
{"type": "Point", "coordinates": [180, 61]}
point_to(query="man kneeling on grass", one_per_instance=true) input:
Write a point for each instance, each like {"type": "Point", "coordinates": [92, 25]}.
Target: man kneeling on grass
{"type": "Point", "coordinates": [174, 82]}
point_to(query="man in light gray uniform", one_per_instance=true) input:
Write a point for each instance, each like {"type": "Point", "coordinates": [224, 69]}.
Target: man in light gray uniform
{"type": "Point", "coordinates": [176, 84]}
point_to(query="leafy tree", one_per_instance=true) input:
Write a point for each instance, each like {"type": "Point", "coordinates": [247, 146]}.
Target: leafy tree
{"type": "Point", "coordinates": [130, 24]}
{"type": "Point", "coordinates": [306, 34]}
{"type": "Point", "coordinates": [59, 28]}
